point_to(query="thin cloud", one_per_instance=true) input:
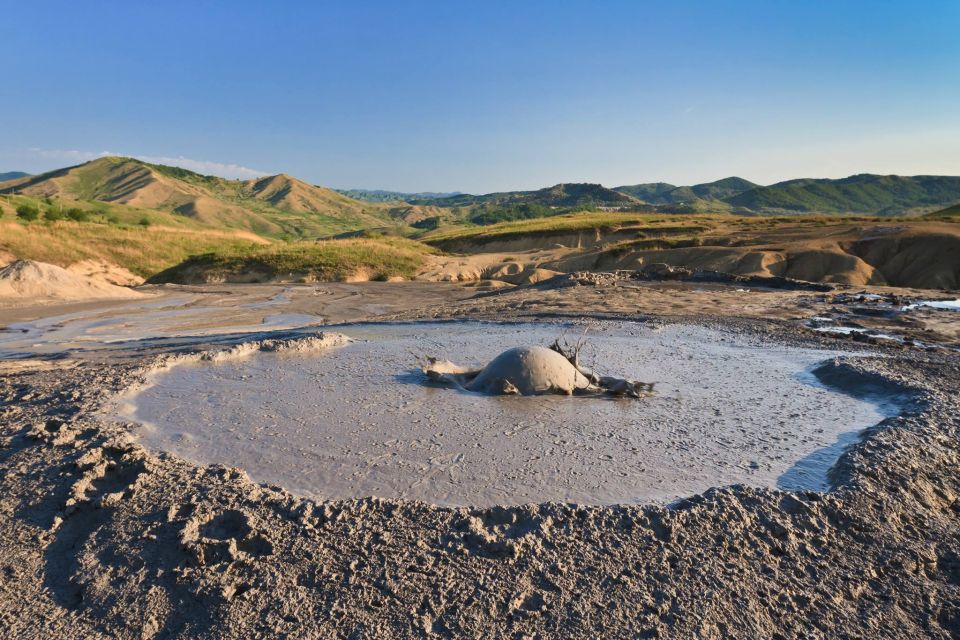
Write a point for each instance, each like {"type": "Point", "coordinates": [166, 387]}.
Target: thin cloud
{"type": "Point", "coordinates": [206, 167]}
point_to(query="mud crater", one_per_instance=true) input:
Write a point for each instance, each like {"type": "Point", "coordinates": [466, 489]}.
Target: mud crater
{"type": "Point", "coordinates": [362, 420]}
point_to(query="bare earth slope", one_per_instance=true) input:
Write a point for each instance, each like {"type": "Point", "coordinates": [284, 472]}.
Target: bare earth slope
{"type": "Point", "coordinates": [28, 281]}
{"type": "Point", "coordinates": [901, 253]}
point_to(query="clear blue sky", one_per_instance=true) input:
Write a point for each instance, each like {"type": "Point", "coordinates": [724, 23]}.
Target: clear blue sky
{"type": "Point", "coordinates": [487, 95]}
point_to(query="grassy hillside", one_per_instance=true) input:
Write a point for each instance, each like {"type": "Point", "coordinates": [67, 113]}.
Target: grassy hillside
{"type": "Point", "coordinates": [860, 194]}
{"type": "Point", "coordinates": [722, 189]}
{"type": "Point", "coordinates": [592, 221]}
{"type": "Point", "coordinates": [494, 208]}
{"type": "Point", "coordinates": [564, 195]}
{"type": "Point", "coordinates": [866, 193]}
{"type": "Point", "coordinates": [652, 192]}
{"type": "Point", "coordinates": [325, 260]}
{"type": "Point", "coordinates": [666, 194]}
{"type": "Point", "coordinates": [143, 250]}
{"type": "Point", "coordinates": [950, 213]}
{"type": "Point", "coordinates": [151, 241]}
{"type": "Point", "coordinates": [274, 206]}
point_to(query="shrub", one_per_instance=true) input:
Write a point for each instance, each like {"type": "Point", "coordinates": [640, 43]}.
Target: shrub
{"type": "Point", "coordinates": [144, 222]}
{"type": "Point", "coordinates": [522, 211]}
{"type": "Point", "coordinates": [28, 212]}
{"type": "Point", "coordinates": [77, 214]}
{"type": "Point", "coordinates": [428, 224]}
{"type": "Point", "coordinates": [53, 214]}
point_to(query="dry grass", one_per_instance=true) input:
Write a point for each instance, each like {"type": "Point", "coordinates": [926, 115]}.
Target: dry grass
{"type": "Point", "coordinates": [144, 251]}
{"type": "Point", "coordinates": [564, 223]}
{"type": "Point", "coordinates": [720, 224]}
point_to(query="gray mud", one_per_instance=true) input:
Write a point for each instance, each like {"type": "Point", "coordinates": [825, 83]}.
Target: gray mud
{"type": "Point", "coordinates": [361, 420]}
{"type": "Point", "coordinates": [167, 319]}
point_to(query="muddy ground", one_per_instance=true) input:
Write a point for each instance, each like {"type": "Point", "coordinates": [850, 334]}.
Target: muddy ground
{"type": "Point", "coordinates": [99, 538]}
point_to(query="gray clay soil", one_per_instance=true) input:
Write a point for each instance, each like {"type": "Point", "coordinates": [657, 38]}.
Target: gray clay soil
{"type": "Point", "coordinates": [99, 538]}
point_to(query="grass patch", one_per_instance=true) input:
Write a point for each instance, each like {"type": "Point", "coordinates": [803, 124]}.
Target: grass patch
{"type": "Point", "coordinates": [93, 211]}
{"type": "Point", "coordinates": [322, 260]}
{"type": "Point", "coordinates": [602, 221]}
{"type": "Point", "coordinates": [144, 251]}
{"type": "Point", "coordinates": [554, 224]}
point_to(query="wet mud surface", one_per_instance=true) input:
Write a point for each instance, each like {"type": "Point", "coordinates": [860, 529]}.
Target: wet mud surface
{"type": "Point", "coordinates": [361, 420]}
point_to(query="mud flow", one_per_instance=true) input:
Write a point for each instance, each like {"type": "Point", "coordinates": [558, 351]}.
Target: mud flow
{"type": "Point", "coordinates": [362, 419]}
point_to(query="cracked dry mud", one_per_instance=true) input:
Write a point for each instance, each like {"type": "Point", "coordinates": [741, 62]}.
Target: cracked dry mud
{"type": "Point", "coordinates": [99, 538]}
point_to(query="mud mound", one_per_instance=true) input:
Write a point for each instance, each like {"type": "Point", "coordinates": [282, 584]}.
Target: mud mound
{"type": "Point", "coordinates": [106, 272]}
{"type": "Point", "coordinates": [27, 280]}
{"type": "Point", "coordinates": [531, 371]}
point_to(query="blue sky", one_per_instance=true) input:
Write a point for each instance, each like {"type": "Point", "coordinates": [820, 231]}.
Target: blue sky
{"type": "Point", "coordinates": [485, 96]}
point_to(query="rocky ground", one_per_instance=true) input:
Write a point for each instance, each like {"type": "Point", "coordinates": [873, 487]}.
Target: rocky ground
{"type": "Point", "coordinates": [99, 538]}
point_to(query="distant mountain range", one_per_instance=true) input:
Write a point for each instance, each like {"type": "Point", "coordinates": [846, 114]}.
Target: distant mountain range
{"type": "Point", "coordinates": [859, 194]}
{"type": "Point", "coordinates": [863, 193]}
{"type": "Point", "coordinates": [565, 195]}
{"type": "Point", "coordinates": [12, 175]}
{"type": "Point", "coordinates": [664, 193]}
{"type": "Point", "coordinates": [380, 195]}
{"type": "Point", "coordinates": [283, 206]}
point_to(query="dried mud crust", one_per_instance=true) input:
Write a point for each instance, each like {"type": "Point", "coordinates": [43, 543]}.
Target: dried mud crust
{"type": "Point", "coordinates": [98, 538]}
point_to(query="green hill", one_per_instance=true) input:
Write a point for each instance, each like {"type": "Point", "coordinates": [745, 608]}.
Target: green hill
{"type": "Point", "coordinates": [564, 195]}
{"type": "Point", "coordinates": [561, 198]}
{"type": "Point", "coordinates": [652, 192]}
{"type": "Point", "coordinates": [275, 206]}
{"type": "Point", "coordinates": [12, 175]}
{"type": "Point", "coordinates": [949, 212]}
{"type": "Point", "coordinates": [703, 196]}
{"type": "Point", "coordinates": [863, 193]}
{"type": "Point", "coordinates": [722, 189]}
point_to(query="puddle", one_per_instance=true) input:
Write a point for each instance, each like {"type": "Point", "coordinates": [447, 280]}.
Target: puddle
{"type": "Point", "coordinates": [359, 421]}
{"type": "Point", "coordinates": [846, 331]}
{"type": "Point", "coordinates": [166, 320]}
{"type": "Point", "coordinates": [280, 298]}
{"type": "Point", "coordinates": [946, 305]}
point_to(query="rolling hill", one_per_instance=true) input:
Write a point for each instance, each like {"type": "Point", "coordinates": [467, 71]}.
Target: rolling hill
{"type": "Point", "coordinates": [863, 193]}
{"type": "Point", "coordinates": [665, 193]}
{"type": "Point", "coordinates": [652, 192]}
{"type": "Point", "coordinates": [12, 175]}
{"type": "Point", "coordinates": [949, 212]}
{"type": "Point", "coordinates": [564, 195]}
{"type": "Point", "coordinates": [859, 194]}
{"type": "Point", "coordinates": [276, 206]}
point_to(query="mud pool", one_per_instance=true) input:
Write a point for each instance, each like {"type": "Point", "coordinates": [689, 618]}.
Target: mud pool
{"type": "Point", "coordinates": [360, 420]}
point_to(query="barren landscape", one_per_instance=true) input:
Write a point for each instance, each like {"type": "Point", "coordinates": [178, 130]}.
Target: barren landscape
{"type": "Point", "coordinates": [104, 535]}
{"type": "Point", "coordinates": [521, 320]}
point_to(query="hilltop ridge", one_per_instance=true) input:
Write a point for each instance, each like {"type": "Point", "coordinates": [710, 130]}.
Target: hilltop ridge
{"type": "Point", "coordinates": [564, 194]}
{"type": "Point", "coordinates": [857, 194]}
{"type": "Point", "coordinates": [272, 206]}
{"type": "Point", "coordinates": [284, 207]}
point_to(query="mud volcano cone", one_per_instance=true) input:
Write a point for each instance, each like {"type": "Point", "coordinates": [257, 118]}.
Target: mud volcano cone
{"type": "Point", "coordinates": [532, 371]}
